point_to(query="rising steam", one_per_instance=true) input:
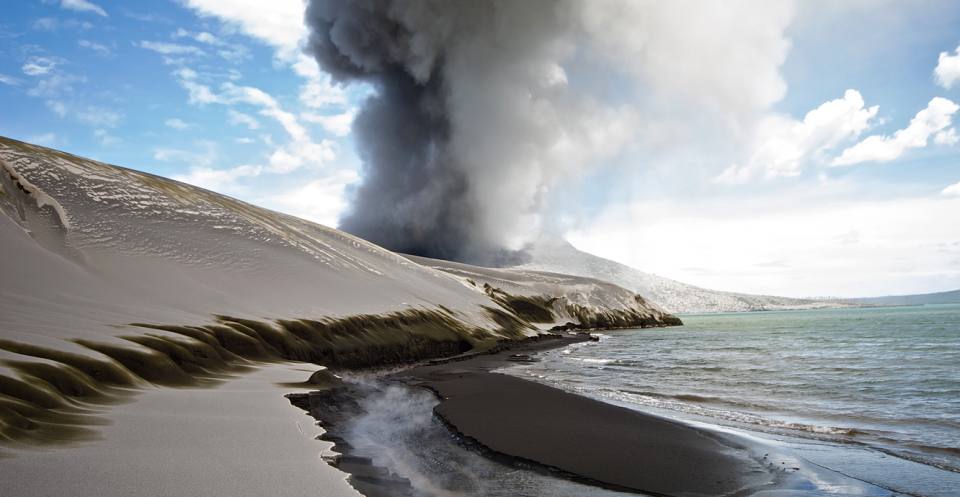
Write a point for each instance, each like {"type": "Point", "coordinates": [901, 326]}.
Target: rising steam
{"type": "Point", "coordinates": [476, 114]}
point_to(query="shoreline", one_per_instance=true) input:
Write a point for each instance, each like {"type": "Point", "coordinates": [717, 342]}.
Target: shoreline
{"type": "Point", "coordinates": [523, 424]}
{"type": "Point", "coordinates": [528, 424]}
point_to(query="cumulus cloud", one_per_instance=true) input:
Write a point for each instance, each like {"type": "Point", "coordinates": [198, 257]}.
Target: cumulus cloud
{"type": "Point", "coordinates": [783, 146]}
{"type": "Point", "coordinates": [935, 121]}
{"type": "Point", "coordinates": [947, 71]}
{"type": "Point", "coordinates": [946, 137]}
{"type": "Point", "coordinates": [338, 124]}
{"type": "Point", "coordinates": [219, 180]}
{"type": "Point", "coordinates": [280, 26]}
{"type": "Point", "coordinates": [318, 91]}
{"type": "Point", "coordinates": [83, 6]}
{"type": "Point", "coordinates": [322, 200]}
{"type": "Point", "coordinates": [952, 190]}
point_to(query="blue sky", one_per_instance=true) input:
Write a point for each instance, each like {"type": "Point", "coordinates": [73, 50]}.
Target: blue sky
{"type": "Point", "coordinates": [218, 94]}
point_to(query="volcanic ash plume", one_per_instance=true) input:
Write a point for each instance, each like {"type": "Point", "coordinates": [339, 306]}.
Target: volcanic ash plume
{"type": "Point", "coordinates": [472, 120]}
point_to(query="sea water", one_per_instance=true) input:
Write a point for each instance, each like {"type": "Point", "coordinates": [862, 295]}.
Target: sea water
{"type": "Point", "coordinates": [873, 393]}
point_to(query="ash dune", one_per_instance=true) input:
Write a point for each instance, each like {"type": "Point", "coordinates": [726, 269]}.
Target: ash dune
{"type": "Point", "coordinates": [117, 282]}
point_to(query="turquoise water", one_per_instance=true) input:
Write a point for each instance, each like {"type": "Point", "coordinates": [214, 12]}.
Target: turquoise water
{"type": "Point", "coordinates": [882, 384]}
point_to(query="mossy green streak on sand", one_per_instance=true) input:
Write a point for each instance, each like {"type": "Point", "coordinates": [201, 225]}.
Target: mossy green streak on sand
{"type": "Point", "coordinates": [54, 401]}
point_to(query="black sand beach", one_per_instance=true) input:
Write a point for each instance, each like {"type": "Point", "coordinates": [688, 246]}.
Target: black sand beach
{"type": "Point", "coordinates": [584, 438]}
{"type": "Point", "coordinates": [535, 426]}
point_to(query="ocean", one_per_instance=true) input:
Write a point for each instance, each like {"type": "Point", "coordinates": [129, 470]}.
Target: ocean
{"type": "Point", "coordinates": [873, 393]}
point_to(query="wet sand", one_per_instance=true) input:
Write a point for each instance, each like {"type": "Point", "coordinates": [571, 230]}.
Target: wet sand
{"type": "Point", "coordinates": [526, 422]}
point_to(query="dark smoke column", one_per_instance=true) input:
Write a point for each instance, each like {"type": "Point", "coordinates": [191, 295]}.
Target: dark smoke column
{"type": "Point", "coordinates": [412, 199]}
{"type": "Point", "coordinates": [455, 141]}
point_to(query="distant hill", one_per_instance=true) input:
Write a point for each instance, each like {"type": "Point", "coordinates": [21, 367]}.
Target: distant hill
{"type": "Point", "coordinates": [557, 255]}
{"type": "Point", "coordinates": [951, 297]}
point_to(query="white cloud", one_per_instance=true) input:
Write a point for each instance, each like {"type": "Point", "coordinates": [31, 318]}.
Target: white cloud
{"type": "Point", "coordinates": [98, 116]}
{"type": "Point", "coordinates": [322, 200]}
{"type": "Point", "coordinates": [947, 71]}
{"type": "Point", "coordinates": [83, 6]}
{"type": "Point", "coordinates": [46, 24]}
{"type": "Point", "coordinates": [281, 26]}
{"type": "Point", "coordinates": [239, 118]}
{"type": "Point", "coordinates": [219, 180]}
{"type": "Point", "coordinates": [228, 51]}
{"type": "Point", "coordinates": [170, 48]}
{"type": "Point", "coordinates": [299, 152]}
{"type": "Point", "coordinates": [782, 145]}
{"type": "Point", "coordinates": [952, 190]}
{"type": "Point", "coordinates": [46, 139]}
{"type": "Point", "coordinates": [711, 57]}
{"type": "Point", "coordinates": [338, 124]}
{"type": "Point", "coordinates": [9, 80]}
{"type": "Point", "coordinates": [100, 49]}
{"type": "Point", "coordinates": [319, 90]}
{"type": "Point", "coordinates": [269, 107]}
{"type": "Point", "coordinates": [198, 93]}
{"type": "Point", "coordinates": [92, 115]}
{"type": "Point", "coordinates": [827, 247]}
{"type": "Point", "coordinates": [40, 66]}
{"type": "Point", "coordinates": [105, 138]}
{"type": "Point", "coordinates": [176, 123]}
{"type": "Point", "coordinates": [201, 36]}
{"type": "Point", "coordinates": [946, 137]}
{"type": "Point", "coordinates": [57, 107]}
{"type": "Point", "coordinates": [146, 17]}
{"type": "Point", "coordinates": [933, 120]}
{"type": "Point", "coordinates": [205, 158]}
{"type": "Point", "coordinates": [54, 85]}
{"type": "Point", "coordinates": [54, 24]}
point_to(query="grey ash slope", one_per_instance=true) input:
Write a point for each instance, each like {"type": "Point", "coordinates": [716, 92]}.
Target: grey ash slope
{"type": "Point", "coordinates": [90, 249]}
{"type": "Point", "coordinates": [951, 297]}
{"type": "Point", "coordinates": [553, 254]}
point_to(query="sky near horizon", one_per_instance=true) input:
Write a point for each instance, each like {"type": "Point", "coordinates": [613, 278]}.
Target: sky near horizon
{"type": "Point", "coordinates": [812, 151]}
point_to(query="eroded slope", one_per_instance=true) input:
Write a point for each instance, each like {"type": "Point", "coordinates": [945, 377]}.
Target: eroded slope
{"type": "Point", "coordinates": [113, 280]}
